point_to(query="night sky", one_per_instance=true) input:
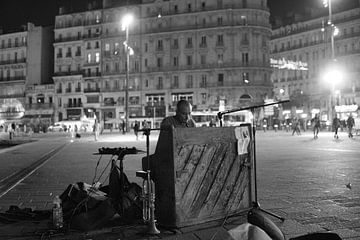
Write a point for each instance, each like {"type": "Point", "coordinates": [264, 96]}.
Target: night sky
{"type": "Point", "coordinates": [15, 13]}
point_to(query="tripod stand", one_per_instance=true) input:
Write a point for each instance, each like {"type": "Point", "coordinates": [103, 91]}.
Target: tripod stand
{"type": "Point", "coordinates": [255, 203]}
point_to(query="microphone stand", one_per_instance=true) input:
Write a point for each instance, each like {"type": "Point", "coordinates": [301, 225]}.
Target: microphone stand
{"type": "Point", "coordinates": [152, 229]}
{"type": "Point", "coordinates": [255, 203]}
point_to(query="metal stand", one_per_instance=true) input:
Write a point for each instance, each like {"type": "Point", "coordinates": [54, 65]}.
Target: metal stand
{"type": "Point", "coordinates": [148, 189]}
{"type": "Point", "coordinates": [255, 203]}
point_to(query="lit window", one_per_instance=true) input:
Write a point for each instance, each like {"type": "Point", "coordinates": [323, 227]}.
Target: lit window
{"type": "Point", "coordinates": [97, 57]}
{"type": "Point", "coordinates": [89, 57]}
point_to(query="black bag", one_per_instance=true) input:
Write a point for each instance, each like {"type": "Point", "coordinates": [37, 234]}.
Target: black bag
{"type": "Point", "coordinates": [79, 198]}
{"type": "Point", "coordinates": [130, 203]}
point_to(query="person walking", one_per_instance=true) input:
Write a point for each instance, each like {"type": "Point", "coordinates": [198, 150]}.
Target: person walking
{"type": "Point", "coordinates": [350, 122]}
{"type": "Point", "coordinates": [96, 130]}
{"type": "Point", "coordinates": [136, 129]}
{"type": "Point", "coordinates": [316, 123]}
{"type": "Point", "coordinates": [296, 127]}
{"type": "Point", "coordinates": [336, 125]}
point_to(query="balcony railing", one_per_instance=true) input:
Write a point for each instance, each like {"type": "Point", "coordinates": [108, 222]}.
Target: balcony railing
{"type": "Point", "coordinates": [13, 45]}
{"type": "Point", "coordinates": [23, 60]}
{"type": "Point", "coordinates": [91, 90]}
{"type": "Point", "coordinates": [71, 73]}
{"type": "Point", "coordinates": [37, 106]}
{"type": "Point", "coordinates": [8, 79]}
{"type": "Point", "coordinates": [72, 105]}
{"type": "Point", "coordinates": [92, 74]}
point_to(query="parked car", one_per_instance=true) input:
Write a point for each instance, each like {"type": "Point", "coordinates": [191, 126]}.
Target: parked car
{"type": "Point", "coordinates": [57, 127]}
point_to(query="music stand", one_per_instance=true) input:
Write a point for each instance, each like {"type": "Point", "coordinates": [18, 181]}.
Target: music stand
{"type": "Point", "coordinates": [255, 203]}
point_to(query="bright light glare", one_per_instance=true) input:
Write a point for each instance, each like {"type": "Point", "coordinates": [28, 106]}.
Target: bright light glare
{"type": "Point", "coordinates": [333, 76]}
{"type": "Point", "coordinates": [126, 21]}
{"type": "Point", "coordinates": [325, 3]}
{"type": "Point", "coordinates": [282, 91]}
{"type": "Point", "coordinates": [336, 31]}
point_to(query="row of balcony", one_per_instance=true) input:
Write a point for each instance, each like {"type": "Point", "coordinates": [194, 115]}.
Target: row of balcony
{"type": "Point", "coordinates": [4, 46]}
{"type": "Point", "coordinates": [9, 79]}
{"type": "Point", "coordinates": [77, 38]}
{"type": "Point", "coordinates": [322, 41]}
{"type": "Point", "coordinates": [13, 61]}
{"type": "Point", "coordinates": [173, 11]}
{"type": "Point", "coordinates": [302, 27]}
{"type": "Point", "coordinates": [172, 28]}
{"type": "Point", "coordinates": [39, 106]}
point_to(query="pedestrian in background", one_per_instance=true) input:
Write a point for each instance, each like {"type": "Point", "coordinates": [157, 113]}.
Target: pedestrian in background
{"type": "Point", "coordinates": [136, 129]}
{"type": "Point", "coordinates": [296, 127]}
{"type": "Point", "coordinates": [350, 122]}
{"type": "Point", "coordinates": [316, 123]}
{"type": "Point", "coordinates": [336, 125]}
{"type": "Point", "coordinates": [96, 130]}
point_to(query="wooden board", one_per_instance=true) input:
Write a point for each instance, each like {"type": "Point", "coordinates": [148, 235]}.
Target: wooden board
{"type": "Point", "coordinates": [200, 176]}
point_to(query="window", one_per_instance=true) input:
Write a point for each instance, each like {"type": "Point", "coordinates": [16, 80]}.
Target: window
{"type": "Point", "coordinates": [116, 66]}
{"type": "Point", "coordinates": [68, 54]}
{"type": "Point", "coordinates": [88, 45]}
{"type": "Point", "coordinates": [89, 58]}
{"type": "Point", "coordinates": [189, 7]}
{"type": "Point", "coordinates": [176, 61]}
{"type": "Point", "coordinates": [246, 78]}
{"type": "Point", "coordinates": [146, 82]}
{"type": "Point", "coordinates": [219, 20]}
{"type": "Point", "coordinates": [220, 40]}
{"type": "Point", "coordinates": [175, 43]}
{"type": "Point", "coordinates": [203, 82]}
{"type": "Point", "coordinates": [160, 83]}
{"type": "Point", "coordinates": [203, 41]}
{"type": "Point", "coordinates": [221, 79]}
{"type": "Point", "coordinates": [97, 57]}
{"type": "Point", "coordinates": [245, 39]}
{"type": "Point", "coordinates": [175, 8]}
{"type": "Point", "coordinates": [97, 45]}
{"type": "Point", "coordinates": [245, 58]}
{"type": "Point", "coordinates": [146, 47]}
{"type": "Point", "coordinates": [203, 4]}
{"type": "Point", "coordinates": [175, 83]}
{"type": "Point", "coordinates": [159, 45]}
{"type": "Point", "coordinates": [189, 60]}
{"type": "Point", "coordinates": [220, 58]}
{"type": "Point", "coordinates": [116, 48]}
{"type": "Point", "coordinates": [189, 81]}
{"type": "Point", "coordinates": [159, 62]}
{"type": "Point", "coordinates": [189, 42]}
{"type": "Point", "coordinates": [145, 62]}
{"type": "Point", "coordinates": [202, 59]}
{"type": "Point", "coordinates": [203, 98]}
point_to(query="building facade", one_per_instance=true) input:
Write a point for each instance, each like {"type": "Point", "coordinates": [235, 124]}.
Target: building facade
{"type": "Point", "coordinates": [305, 51]}
{"type": "Point", "coordinates": [25, 61]}
{"type": "Point", "coordinates": [212, 53]}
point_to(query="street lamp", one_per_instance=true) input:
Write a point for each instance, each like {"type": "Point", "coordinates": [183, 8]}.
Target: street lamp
{"type": "Point", "coordinates": [125, 23]}
{"type": "Point", "coordinates": [333, 76]}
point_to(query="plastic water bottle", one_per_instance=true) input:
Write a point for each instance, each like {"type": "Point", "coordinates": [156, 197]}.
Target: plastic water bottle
{"type": "Point", "coordinates": [57, 213]}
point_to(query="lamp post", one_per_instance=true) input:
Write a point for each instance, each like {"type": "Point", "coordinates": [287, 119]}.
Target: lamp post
{"type": "Point", "coordinates": [126, 21]}
{"type": "Point", "coordinates": [333, 74]}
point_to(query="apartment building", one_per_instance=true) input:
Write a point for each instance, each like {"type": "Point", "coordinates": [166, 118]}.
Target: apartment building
{"type": "Point", "coordinates": [306, 47]}
{"type": "Point", "coordinates": [25, 61]}
{"type": "Point", "coordinates": [212, 53]}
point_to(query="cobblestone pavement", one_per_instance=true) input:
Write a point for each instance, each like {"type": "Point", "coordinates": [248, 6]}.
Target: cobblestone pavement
{"type": "Point", "coordinates": [299, 178]}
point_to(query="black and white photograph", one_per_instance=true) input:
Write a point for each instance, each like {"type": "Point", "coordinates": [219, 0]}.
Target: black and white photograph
{"type": "Point", "coordinates": [180, 119]}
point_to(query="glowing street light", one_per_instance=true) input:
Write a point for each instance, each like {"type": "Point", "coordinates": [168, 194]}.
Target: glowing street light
{"type": "Point", "coordinates": [125, 23]}
{"type": "Point", "coordinates": [333, 76]}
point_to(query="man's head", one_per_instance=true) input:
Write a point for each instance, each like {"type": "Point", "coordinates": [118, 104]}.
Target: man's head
{"type": "Point", "coordinates": [183, 111]}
